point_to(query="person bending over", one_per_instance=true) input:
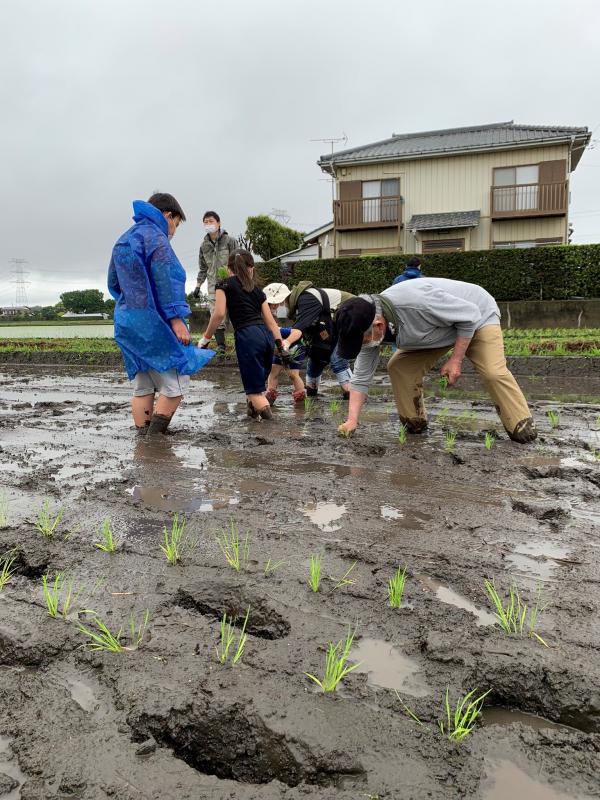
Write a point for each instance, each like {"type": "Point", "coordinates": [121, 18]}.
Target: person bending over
{"type": "Point", "coordinates": [426, 318]}
{"type": "Point", "coordinates": [255, 330]}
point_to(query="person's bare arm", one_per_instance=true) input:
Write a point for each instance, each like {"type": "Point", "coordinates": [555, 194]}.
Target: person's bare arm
{"type": "Point", "coordinates": [355, 404]}
{"type": "Point", "coordinates": [452, 367]}
{"type": "Point", "coordinates": [217, 316]}
{"type": "Point", "coordinates": [294, 336]}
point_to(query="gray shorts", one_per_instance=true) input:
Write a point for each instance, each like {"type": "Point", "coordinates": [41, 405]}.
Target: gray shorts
{"type": "Point", "coordinates": [169, 383]}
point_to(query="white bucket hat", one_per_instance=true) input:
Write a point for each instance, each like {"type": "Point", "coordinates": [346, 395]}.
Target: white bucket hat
{"type": "Point", "coordinates": [276, 293]}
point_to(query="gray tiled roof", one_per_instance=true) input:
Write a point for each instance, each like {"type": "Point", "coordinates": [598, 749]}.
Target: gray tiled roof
{"type": "Point", "coordinates": [452, 219]}
{"type": "Point", "coordinates": [498, 136]}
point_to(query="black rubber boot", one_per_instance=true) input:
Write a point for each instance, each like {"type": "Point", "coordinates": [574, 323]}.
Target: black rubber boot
{"type": "Point", "coordinates": [158, 424]}
{"type": "Point", "coordinates": [220, 340]}
{"type": "Point", "coordinates": [312, 391]}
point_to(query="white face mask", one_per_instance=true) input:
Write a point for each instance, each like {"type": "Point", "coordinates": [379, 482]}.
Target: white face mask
{"type": "Point", "coordinates": [374, 343]}
{"type": "Point", "coordinates": [211, 228]}
{"type": "Point", "coordinates": [281, 312]}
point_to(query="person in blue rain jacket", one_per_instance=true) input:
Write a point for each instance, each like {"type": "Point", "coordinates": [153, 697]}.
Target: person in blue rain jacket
{"type": "Point", "coordinates": [147, 280]}
{"type": "Point", "coordinates": [412, 270]}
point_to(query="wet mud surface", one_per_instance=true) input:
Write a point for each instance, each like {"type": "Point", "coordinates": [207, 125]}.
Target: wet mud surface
{"type": "Point", "coordinates": [167, 720]}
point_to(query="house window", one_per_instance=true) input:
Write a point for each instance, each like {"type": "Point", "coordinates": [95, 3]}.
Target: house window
{"type": "Point", "coordinates": [443, 245]}
{"type": "Point", "coordinates": [516, 188]}
{"type": "Point", "coordinates": [526, 243]}
{"type": "Point", "coordinates": [380, 200]}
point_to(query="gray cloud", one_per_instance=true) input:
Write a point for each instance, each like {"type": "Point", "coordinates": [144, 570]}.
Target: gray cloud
{"type": "Point", "coordinates": [104, 102]}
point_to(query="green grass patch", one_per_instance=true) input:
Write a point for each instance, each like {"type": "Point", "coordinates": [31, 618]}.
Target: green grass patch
{"type": "Point", "coordinates": [513, 614]}
{"type": "Point", "coordinates": [396, 588]}
{"type": "Point", "coordinates": [235, 550]}
{"type": "Point", "coordinates": [47, 523]}
{"type": "Point", "coordinates": [226, 640]}
{"type": "Point", "coordinates": [59, 594]}
{"type": "Point", "coordinates": [107, 543]}
{"type": "Point", "coordinates": [173, 540]}
{"type": "Point", "coordinates": [314, 578]}
{"type": "Point", "coordinates": [100, 638]}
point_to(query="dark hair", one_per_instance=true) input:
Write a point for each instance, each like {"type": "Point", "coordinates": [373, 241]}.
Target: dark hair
{"type": "Point", "coordinates": [211, 214]}
{"type": "Point", "coordinates": [414, 262]}
{"type": "Point", "coordinates": [241, 264]}
{"type": "Point", "coordinates": [165, 203]}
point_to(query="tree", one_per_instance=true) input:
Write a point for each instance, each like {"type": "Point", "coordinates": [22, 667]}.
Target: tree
{"type": "Point", "coordinates": [85, 301]}
{"type": "Point", "coordinates": [268, 238]}
{"type": "Point", "coordinates": [109, 307]}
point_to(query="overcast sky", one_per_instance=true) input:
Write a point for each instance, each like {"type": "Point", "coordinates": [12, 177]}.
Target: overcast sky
{"type": "Point", "coordinates": [106, 101]}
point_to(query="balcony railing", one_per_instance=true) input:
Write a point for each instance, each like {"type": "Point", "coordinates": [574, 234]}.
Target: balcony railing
{"type": "Point", "coordinates": [367, 212]}
{"type": "Point", "coordinates": [529, 200]}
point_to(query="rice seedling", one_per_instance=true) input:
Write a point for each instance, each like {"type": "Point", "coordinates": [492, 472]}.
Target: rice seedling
{"type": "Point", "coordinates": [226, 640]}
{"type": "Point", "coordinates": [396, 588]}
{"type": "Point", "coordinates": [450, 441]}
{"type": "Point", "coordinates": [271, 566]}
{"type": "Point", "coordinates": [315, 573]}
{"type": "Point", "coordinates": [310, 405]}
{"type": "Point", "coordinates": [597, 422]}
{"type": "Point", "coordinates": [6, 570]}
{"type": "Point", "coordinates": [460, 722]}
{"type": "Point", "coordinates": [334, 406]}
{"type": "Point", "coordinates": [336, 666]}
{"type": "Point", "coordinates": [59, 595]}
{"type": "Point", "coordinates": [108, 542]}
{"type": "Point", "coordinates": [514, 616]}
{"type": "Point", "coordinates": [490, 440]}
{"type": "Point", "coordinates": [101, 639]}
{"type": "Point", "coordinates": [173, 540]}
{"type": "Point", "coordinates": [344, 580]}
{"type": "Point", "coordinates": [235, 550]}
{"type": "Point", "coordinates": [402, 432]}
{"type": "Point", "coordinates": [553, 418]}
{"type": "Point", "coordinates": [443, 383]}
{"type": "Point", "coordinates": [3, 511]}
{"type": "Point", "coordinates": [443, 415]}
{"type": "Point", "coordinates": [45, 522]}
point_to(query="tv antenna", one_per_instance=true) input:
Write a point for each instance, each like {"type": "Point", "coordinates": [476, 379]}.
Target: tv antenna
{"type": "Point", "coordinates": [20, 280]}
{"type": "Point", "coordinates": [332, 140]}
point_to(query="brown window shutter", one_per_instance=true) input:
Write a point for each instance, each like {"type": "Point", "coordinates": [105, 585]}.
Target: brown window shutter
{"type": "Point", "coordinates": [349, 208]}
{"type": "Point", "coordinates": [443, 245]}
{"type": "Point", "coordinates": [553, 171]}
{"type": "Point", "coordinates": [350, 190]}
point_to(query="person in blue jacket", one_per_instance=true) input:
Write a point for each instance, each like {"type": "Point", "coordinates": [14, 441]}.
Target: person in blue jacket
{"type": "Point", "coordinates": [412, 270]}
{"type": "Point", "coordinates": [147, 280]}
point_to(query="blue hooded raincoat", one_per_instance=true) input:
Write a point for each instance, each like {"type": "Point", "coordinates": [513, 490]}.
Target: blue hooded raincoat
{"type": "Point", "coordinates": [147, 280]}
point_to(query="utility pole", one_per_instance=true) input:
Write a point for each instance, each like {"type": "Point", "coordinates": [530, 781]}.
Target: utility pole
{"type": "Point", "coordinates": [20, 275]}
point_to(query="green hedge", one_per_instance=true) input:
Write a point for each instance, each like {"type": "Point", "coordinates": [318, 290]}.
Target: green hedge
{"type": "Point", "coordinates": [546, 273]}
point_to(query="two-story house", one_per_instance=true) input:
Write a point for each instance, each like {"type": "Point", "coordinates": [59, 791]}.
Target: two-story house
{"type": "Point", "coordinates": [475, 188]}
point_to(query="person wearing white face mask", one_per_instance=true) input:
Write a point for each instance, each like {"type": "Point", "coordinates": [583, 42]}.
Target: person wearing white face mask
{"type": "Point", "coordinates": [215, 250]}
{"type": "Point", "coordinates": [426, 318]}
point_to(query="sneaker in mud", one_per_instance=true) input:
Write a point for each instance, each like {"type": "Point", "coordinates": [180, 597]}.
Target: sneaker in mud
{"type": "Point", "coordinates": [524, 432]}
{"type": "Point", "coordinates": [265, 413]}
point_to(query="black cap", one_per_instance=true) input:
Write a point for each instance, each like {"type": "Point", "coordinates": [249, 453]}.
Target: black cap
{"type": "Point", "coordinates": [352, 321]}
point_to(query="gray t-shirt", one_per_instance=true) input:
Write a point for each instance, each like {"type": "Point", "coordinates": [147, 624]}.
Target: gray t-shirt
{"type": "Point", "coordinates": [431, 312]}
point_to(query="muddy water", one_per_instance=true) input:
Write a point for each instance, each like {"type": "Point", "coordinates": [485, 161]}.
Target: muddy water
{"type": "Point", "coordinates": [387, 667]}
{"type": "Point", "coordinates": [9, 766]}
{"type": "Point", "coordinates": [297, 489]}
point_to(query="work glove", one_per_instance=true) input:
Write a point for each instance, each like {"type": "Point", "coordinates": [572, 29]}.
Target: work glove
{"type": "Point", "coordinates": [196, 292]}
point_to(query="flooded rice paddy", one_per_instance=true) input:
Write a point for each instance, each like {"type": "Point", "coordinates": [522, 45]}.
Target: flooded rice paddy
{"type": "Point", "coordinates": [167, 720]}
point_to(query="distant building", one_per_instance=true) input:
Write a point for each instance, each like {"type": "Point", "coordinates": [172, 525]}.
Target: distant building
{"type": "Point", "coordinates": [317, 244]}
{"type": "Point", "coordinates": [475, 188]}
{"type": "Point", "coordinates": [15, 311]}
{"type": "Point", "coordinates": [73, 315]}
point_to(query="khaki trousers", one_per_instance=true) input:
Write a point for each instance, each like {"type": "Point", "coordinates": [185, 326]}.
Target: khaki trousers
{"type": "Point", "coordinates": [486, 352]}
